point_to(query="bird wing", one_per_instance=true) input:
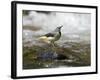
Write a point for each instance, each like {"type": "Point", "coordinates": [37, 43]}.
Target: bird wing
{"type": "Point", "coordinates": [50, 35]}
{"type": "Point", "coordinates": [47, 37]}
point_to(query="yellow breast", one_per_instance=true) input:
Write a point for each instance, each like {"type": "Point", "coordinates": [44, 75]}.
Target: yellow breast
{"type": "Point", "coordinates": [46, 39]}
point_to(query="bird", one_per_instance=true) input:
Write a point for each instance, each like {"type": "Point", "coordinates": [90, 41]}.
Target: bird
{"type": "Point", "coordinates": [53, 36]}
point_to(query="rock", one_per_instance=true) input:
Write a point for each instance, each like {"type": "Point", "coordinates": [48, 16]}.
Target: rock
{"type": "Point", "coordinates": [47, 55]}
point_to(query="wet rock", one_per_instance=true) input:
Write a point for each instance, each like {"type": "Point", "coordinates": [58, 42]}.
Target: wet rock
{"type": "Point", "coordinates": [48, 55]}
{"type": "Point", "coordinates": [51, 55]}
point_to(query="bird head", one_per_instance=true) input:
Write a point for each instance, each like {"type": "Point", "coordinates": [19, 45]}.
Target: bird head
{"type": "Point", "coordinates": [59, 28]}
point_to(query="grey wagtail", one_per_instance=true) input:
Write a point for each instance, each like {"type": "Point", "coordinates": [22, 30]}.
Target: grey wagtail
{"type": "Point", "coordinates": [52, 36]}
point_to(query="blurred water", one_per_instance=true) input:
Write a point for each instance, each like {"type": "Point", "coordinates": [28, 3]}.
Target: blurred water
{"type": "Point", "coordinates": [76, 26]}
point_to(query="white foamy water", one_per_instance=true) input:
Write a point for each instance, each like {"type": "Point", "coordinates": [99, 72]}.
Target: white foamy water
{"type": "Point", "coordinates": [76, 26]}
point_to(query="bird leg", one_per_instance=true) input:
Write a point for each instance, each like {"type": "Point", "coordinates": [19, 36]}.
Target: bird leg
{"type": "Point", "coordinates": [49, 46]}
{"type": "Point", "coordinates": [53, 47]}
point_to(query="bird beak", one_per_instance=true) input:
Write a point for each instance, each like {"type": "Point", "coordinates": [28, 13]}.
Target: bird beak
{"type": "Point", "coordinates": [60, 26]}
